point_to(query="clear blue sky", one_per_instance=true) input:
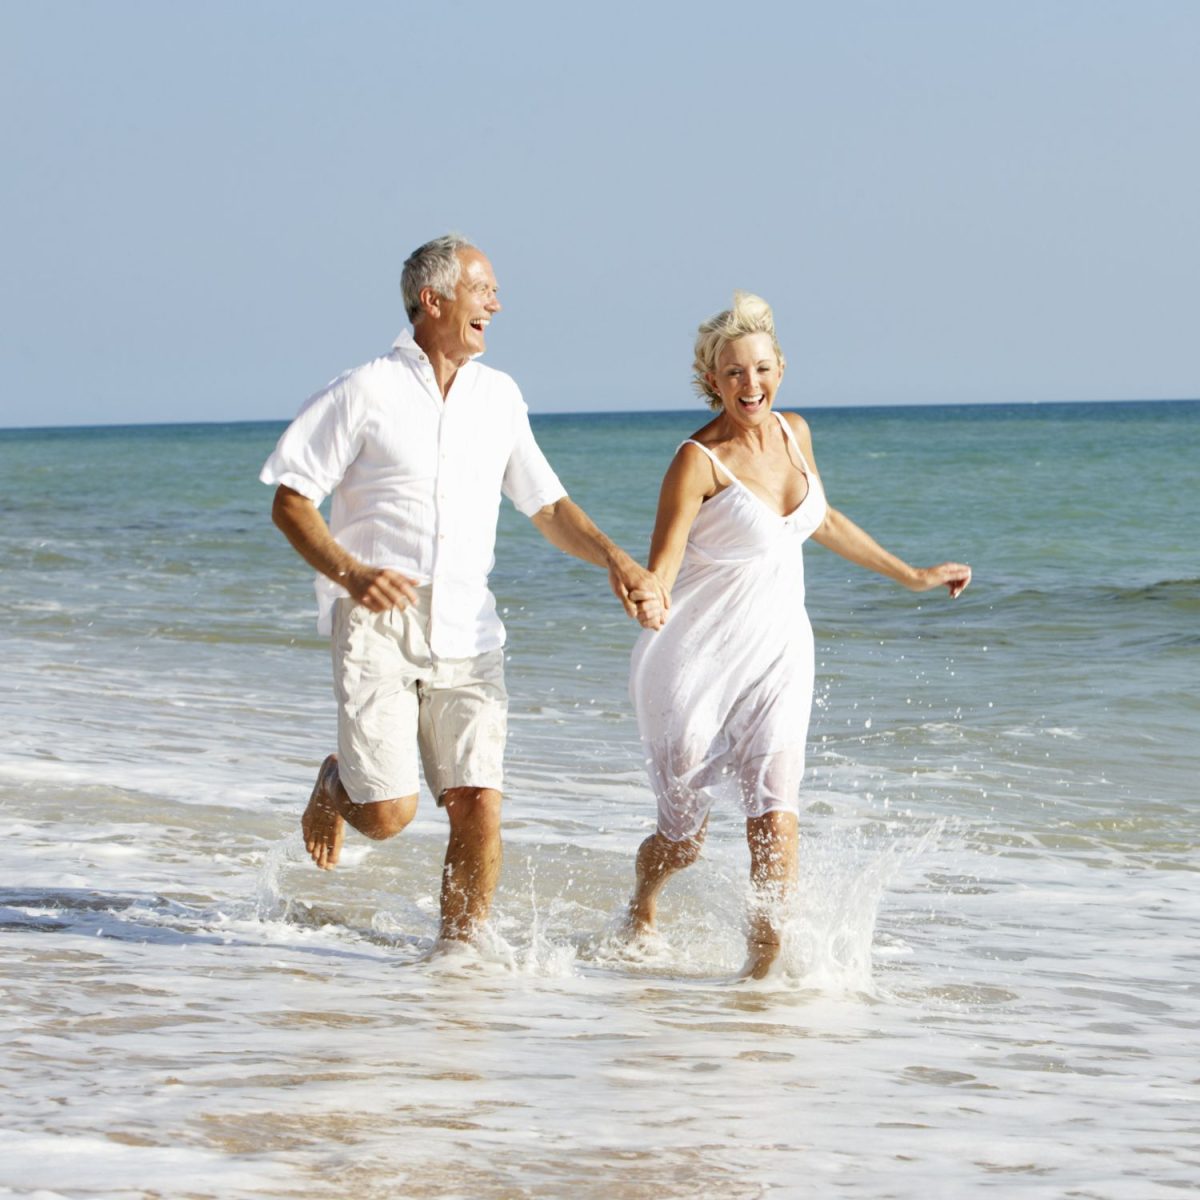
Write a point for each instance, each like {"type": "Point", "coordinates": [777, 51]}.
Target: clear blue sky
{"type": "Point", "coordinates": [205, 205]}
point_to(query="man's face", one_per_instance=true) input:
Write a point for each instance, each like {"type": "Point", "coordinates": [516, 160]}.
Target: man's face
{"type": "Point", "coordinates": [463, 320]}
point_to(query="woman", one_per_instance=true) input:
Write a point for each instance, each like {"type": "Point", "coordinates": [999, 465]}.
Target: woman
{"type": "Point", "coordinates": [723, 689]}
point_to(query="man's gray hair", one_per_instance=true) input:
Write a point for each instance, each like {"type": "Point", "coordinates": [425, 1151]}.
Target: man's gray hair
{"type": "Point", "coordinates": [434, 265]}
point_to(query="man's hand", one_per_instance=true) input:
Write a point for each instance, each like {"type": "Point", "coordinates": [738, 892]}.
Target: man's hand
{"type": "Point", "coordinates": [565, 525]}
{"type": "Point", "coordinates": [376, 588]}
{"type": "Point", "coordinates": [651, 611]}
{"type": "Point", "coordinates": [379, 588]}
{"type": "Point", "coordinates": [634, 586]}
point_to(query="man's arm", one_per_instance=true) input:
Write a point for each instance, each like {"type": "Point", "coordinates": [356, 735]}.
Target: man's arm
{"type": "Point", "coordinates": [302, 524]}
{"type": "Point", "coordinates": [565, 525]}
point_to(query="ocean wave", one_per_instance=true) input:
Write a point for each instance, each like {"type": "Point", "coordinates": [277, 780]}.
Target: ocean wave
{"type": "Point", "coordinates": [1182, 593]}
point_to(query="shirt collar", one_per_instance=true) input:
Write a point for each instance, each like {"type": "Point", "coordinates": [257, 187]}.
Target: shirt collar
{"type": "Point", "coordinates": [407, 344]}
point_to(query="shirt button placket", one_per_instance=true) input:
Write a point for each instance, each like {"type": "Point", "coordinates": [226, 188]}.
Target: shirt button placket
{"type": "Point", "coordinates": [439, 518]}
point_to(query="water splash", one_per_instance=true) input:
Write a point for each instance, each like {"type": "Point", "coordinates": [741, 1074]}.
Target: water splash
{"type": "Point", "coordinates": [845, 874]}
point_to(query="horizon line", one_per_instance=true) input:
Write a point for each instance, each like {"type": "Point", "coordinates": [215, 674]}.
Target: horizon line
{"type": "Point", "coordinates": [617, 412]}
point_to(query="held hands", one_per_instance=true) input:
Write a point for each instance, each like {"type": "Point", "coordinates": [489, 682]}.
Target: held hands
{"type": "Point", "coordinates": [379, 588]}
{"type": "Point", "coordinates": [636, 588]}
{"type": "Point", "coordinates": [652, 606]}
{"type": "Point", "coordinates": [954, 576]}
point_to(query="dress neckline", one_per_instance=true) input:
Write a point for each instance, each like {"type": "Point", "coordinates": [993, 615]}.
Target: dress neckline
{"type": "Point", "coordinates": [735, 481]}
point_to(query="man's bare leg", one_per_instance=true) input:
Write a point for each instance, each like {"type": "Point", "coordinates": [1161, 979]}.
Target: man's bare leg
{"type": "Point", "coordinates": [658, 858]}
{"type": "Point", "coordinates": [329, 808]}
{"type": "Point", "coordinates": [773, 840]}
{"type": "Point", "coordinates": [473, 858]}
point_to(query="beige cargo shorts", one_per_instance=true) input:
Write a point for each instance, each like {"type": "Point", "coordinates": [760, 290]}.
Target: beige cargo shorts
{"type": "Point", "coordinates": [396, 700]}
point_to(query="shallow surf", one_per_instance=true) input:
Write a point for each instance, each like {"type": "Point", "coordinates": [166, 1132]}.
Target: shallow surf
{"type": "Point", "coordinates": [989, 979]}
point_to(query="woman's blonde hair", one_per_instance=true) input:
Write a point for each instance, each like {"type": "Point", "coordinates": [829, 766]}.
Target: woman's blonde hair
{"type": "Point", "coordinates": [749, 314]}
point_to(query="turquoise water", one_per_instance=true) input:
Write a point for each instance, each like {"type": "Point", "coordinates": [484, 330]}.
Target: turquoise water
{"type": "Point", "coordinates": [990, 978]}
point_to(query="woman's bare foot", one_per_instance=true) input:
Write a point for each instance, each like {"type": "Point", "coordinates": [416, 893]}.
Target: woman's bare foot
{"type": "Point", "coordinates": [760, 957]}
{"type": "Point", "coordinates": [322, 824]}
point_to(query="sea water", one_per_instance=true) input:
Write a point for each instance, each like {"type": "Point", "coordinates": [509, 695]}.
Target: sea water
{"type": "Point", "coordinates": [990, 979]}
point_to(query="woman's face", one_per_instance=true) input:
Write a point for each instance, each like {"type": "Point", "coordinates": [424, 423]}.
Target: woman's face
{"type": "Point", "coordinates": [747, 377]}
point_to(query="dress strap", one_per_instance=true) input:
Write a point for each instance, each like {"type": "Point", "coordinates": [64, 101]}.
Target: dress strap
{"type": "Point", "coordinates": [791, 437]}
{"type": "Point", "coordinates": [715, 459]}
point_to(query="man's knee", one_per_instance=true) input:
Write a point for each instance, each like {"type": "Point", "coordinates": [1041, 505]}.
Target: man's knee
{"type": "Point", "coordinates": [383, 819]}
{"type": "Point", "coordinates": [476, 810]}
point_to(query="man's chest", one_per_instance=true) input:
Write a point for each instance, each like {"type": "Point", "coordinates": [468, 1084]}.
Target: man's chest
{"type": "Point", "coordinates": [462, 440]}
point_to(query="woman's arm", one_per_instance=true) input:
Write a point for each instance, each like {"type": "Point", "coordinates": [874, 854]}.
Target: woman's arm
{"type": "Point", "coordinates": [840, 534]}
{"type": "Point", "coordinates": [685, 486]}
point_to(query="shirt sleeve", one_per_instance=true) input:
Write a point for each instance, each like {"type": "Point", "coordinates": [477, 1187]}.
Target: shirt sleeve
{"type": "Point", "coordinates": [529, 481]}
{"type": "Point", "coordinates": [318, 446]}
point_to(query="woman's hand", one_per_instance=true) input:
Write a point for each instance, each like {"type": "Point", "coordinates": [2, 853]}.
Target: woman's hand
{"type": "Point", "coordinates": [652, 605]}
{"type": "Point", "coordinates": [955, 576]}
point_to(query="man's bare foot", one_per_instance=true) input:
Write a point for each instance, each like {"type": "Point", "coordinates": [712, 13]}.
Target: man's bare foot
{"type": "Point", "coordinates": [639, 920]}
{"type": "Point", "coordinates": [322, 824]}
{"type": "Point", "coordinates": [760, 957]}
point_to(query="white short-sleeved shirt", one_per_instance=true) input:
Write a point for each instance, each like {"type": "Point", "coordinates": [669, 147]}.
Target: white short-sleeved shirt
{"type": "Point", "coordinates": [416, 481]}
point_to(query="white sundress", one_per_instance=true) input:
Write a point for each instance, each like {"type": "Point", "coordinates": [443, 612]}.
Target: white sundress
{"type": "Point", "coordinates": [723, 691]}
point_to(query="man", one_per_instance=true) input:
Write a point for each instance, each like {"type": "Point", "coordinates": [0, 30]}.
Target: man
{"type": "Point", "coordinates": [416, 449]}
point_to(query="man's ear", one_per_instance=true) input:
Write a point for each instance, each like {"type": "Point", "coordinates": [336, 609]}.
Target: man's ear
{"type": "Point", "coordinates": [431, 302]}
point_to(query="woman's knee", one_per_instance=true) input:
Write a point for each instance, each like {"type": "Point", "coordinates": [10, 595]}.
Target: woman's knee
{"type": "Point", "coordinates": [683, 852]}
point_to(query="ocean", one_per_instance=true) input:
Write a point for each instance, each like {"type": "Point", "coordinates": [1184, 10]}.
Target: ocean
{"type": "Point", "coordinates": [990, 980]}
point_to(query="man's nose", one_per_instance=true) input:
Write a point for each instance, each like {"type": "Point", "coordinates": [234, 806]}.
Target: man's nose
{"type": "Point", "coordinates": [493, 304]}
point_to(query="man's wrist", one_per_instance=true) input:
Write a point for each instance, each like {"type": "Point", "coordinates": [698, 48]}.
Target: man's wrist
{"type": "Point", "coordinates": [344, 570]}
{"type": "Point", "coordinates": [614, 556]}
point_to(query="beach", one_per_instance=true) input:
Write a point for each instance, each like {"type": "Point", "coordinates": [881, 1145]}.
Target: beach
{"type": "Point", "coordinates": [989, 983]}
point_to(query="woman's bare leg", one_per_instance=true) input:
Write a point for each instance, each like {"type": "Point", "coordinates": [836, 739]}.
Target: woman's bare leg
{"type": "Point", "coordinates": [773, 839]}
{"type": "Point", "coordinates": [658, 858]}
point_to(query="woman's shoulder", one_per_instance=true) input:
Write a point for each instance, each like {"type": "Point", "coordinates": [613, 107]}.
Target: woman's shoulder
{"type": "Point", "coordinates": [691, 458]}
{"type": "Point", "coordinates": [800, 430]}
{"type": "Point", "coordinates": [691, 467]}
{"type": "Point", "coordinates": [796, 422]}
